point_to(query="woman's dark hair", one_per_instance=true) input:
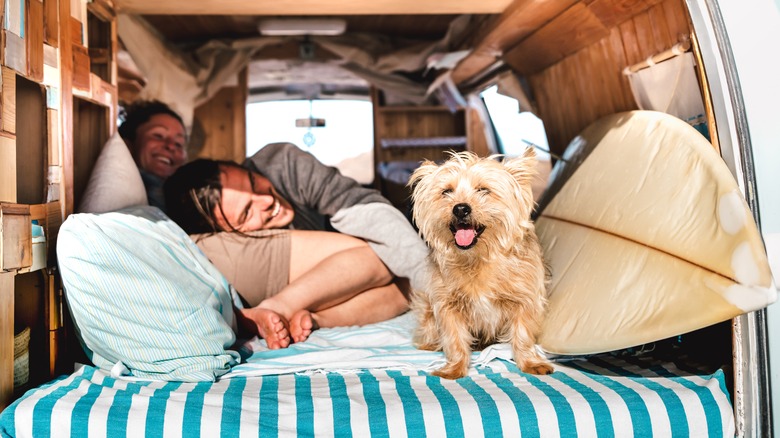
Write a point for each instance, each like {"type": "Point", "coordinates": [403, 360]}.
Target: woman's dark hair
{"type": "Point", "coordinates": [138, 113]}
{"type": "Point", "coordinates": [193, 195]}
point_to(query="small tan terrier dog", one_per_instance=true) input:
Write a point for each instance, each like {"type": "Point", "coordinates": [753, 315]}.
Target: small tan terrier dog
{"type": "Point", "coordinates": [487, 281]}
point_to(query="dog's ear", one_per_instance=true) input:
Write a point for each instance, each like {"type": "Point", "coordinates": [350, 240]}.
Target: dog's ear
{"type": "Point", "coordinates": [426, 168]}
{"type": "Point", "coordinates": [523, 167]}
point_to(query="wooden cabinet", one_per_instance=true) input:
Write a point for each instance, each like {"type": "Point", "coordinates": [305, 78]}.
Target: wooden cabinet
{"type": "Point", "coordinates": [406, 135]}
{"type": "Point", "coordinates": [58, 69]}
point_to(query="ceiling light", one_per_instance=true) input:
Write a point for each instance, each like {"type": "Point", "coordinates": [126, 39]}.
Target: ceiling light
{"type": "Point", "coordinates": [302, 26]}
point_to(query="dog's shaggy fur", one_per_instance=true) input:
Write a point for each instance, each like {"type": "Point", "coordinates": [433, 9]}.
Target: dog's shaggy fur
{"type": "Point", "coordinates": [487, 279]}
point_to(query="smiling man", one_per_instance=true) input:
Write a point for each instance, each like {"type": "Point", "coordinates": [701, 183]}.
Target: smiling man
{"type": "Point", "coordinates": [251, 221]}
{"type": "Point", "coordinates": [282, 186]}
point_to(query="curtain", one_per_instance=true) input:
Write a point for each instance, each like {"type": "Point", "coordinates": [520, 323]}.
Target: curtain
{"type": "Point", "coordinates": [671, 87]}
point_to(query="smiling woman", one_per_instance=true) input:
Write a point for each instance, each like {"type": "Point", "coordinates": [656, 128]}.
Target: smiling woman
{"type": "Point", "coordinates": [155, 135]}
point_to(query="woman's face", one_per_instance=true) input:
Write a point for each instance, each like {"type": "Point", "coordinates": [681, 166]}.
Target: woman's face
{"type": "Point", "coordinates": [159, 146]}
{"type": "Point", "coordinates": [250, 202]}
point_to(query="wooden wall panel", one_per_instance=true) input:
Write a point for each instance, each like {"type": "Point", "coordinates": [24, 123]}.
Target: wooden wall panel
{"type": "Point", "coordinates": [479, 131]}
{"type": "Point", "coordinates": [8, 97]}
{"type": "Point", "coordinates": [676, 18]}
{"type": "Point", "coordinates": [661, 31]}
{"type": "Point", "coordinates": [66, 99]}
{"type": "Point", "coordinates": [554, 41]}
{"type": "Point", "coordinates": [34, 37]}
{"type": "Point", "coordinates": [580, 26]}
{"type": "Point", "coordinates": [223, 121]}
{"type": "Point", "coordinates": [15, 237]}
{"type": "Point", "coordinates": [7, 169]}
{"type": "Point", "coordinates": [81, 68]}
{"type": "Point", "coordinates": [630, 42]}
{"type": "Point", "coordinates": [51, 22]}
{"type": "Point", "coordinates": [496, 35]}
{"type": "Point", "coordinates": [589, 84]}
{"type": "Point", "coordinates": [14, 52]}
{"type": "Point", "coordinates": [53, 141]}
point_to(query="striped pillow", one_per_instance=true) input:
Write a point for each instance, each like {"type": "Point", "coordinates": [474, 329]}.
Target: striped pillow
{"type": "Point", "coordinates": [143, 295]}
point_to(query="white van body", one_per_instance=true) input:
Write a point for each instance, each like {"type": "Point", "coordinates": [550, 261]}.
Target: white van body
{"type": "Point", "coordinates": [745, 93]}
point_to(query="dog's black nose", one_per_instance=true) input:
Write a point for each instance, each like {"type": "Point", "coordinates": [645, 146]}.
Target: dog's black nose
{"type": "Point", "coordinates": [461, 210]}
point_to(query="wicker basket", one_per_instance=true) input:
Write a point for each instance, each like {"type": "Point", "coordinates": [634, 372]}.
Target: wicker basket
{"type": "Point", "coordinates": [22, 358]}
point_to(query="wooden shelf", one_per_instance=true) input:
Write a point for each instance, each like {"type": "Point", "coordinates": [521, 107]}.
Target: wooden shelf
{"type": "Point", "coordinates": [414, 109]}
{"type": "Point", "coordinates": [457, 142]}
{"type": "Point", "coordinates": [411, 133]}
{"type": "Point", "coordinates": [21, 248]}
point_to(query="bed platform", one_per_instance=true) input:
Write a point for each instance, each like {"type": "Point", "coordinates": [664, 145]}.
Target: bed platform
{"type": "Point", "coordinates": [369, 381]}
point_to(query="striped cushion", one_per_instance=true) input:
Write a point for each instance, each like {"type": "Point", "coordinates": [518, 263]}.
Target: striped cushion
{"type": "Point", "coordinates": [143, 295]}
{"type": "Point", "coordinates": [600, 397]}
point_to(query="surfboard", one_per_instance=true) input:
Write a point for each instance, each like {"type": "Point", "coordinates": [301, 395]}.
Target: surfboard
{"type": "Point", "coordinates": [647, 236]}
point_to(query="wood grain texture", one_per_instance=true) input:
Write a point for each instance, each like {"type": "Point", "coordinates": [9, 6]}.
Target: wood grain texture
{"type": "Point", "coordinates": [223, 120]}
{"type": "Point", "coordinates": [34, 38]}
{"type": "Point", "coordinates": [51, 23]}
{"type": "Point", "coordinates": [7, 169]}
{"type": "Point", "coordinates": [66, 100]}
{"type": "Point", "coordinates": [53, 136]}
{"type": "Point", "coordinates": [15, 237]}
{"type": "Point", "coordinates": [8, 98]}
{"type": "Point", "coordinates": [569, 32]}
{"type": "Point", "coordinates": [311, 7]}
{"type": "Point", "coordinates": [14, 52]}
{"type": "Point", "coordinates": [519, 20]}
{"type": "Point", "coordinates": [588, 84]}
{"type": "Point", "coordinates": [81, 68]}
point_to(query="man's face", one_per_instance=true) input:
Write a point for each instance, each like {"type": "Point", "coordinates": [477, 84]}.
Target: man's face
{"type": "Point", "coordinates": [250, 202]}
{"type": "Point", "coordinates": [159, 146]}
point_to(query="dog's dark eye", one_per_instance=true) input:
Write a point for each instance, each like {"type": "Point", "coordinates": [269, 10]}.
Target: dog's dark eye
{"type": "Point", "coordinates": [446, 192]}
{"type": "Point", "coordinates": [483, 191]}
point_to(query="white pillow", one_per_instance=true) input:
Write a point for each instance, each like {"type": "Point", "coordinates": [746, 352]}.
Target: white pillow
{"type": "Point", "coordinates": [144, 297]}
{"type": "Point", "coordinates": [115, 182]}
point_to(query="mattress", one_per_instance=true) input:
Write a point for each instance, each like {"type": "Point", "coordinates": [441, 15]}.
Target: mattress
{"type": "Point", "coordinates": [370, 381]}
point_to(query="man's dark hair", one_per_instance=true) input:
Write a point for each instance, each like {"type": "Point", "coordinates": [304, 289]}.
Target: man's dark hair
{"type": "Point", "coordinates": [193, 195]}
{"type": "Point", "coordinates": [138, 113]}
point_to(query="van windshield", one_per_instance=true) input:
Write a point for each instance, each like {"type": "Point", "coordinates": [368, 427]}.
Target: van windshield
{"type": "Point", "coordinates": [346, 141]}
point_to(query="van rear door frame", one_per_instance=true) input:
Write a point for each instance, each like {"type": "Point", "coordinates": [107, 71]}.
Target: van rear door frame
{"type": "Point", "coordinates": [721, 30]}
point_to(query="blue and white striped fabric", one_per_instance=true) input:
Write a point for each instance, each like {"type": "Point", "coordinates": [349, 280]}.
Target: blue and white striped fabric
{"type": "Point", "coordinates": [600, 397]}
{"type": "Point", "coordinates": [386, 344]}
{"type": "Point", "coordinates": [369, 381]}
{"type": "Point", "coordinates": [144, 297]}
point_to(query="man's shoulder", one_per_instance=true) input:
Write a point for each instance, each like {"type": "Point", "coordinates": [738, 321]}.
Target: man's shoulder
{"type": "Point", "coordinates": [276, 154]}
{"type": "Point", "coordinates": [273, 149]}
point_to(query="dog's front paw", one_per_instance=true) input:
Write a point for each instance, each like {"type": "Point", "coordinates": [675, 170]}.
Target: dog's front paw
{"type": "Point", "coordinates": [537, 367]}
{"type": "Point", "coordinates": [452, 370]}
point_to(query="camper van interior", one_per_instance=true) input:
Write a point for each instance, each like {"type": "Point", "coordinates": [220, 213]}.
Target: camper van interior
{"type": "Point", "coordinates": [658, 273]}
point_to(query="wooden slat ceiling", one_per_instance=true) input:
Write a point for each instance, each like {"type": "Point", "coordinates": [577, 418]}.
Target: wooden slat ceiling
{"type": "Point", "coordinates": [199, 28]}
{"type": "Point", "coordinates": [528, 35]}
{"type": "Point", "coordinates": [310, 7]}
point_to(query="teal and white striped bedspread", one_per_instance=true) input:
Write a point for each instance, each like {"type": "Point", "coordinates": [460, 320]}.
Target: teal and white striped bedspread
{"type": "Point", "coordinates": [368, 381]}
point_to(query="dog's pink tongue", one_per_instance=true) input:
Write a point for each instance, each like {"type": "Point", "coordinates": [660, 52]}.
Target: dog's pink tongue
{"type": "Point", "coordinates": [464, 236]}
